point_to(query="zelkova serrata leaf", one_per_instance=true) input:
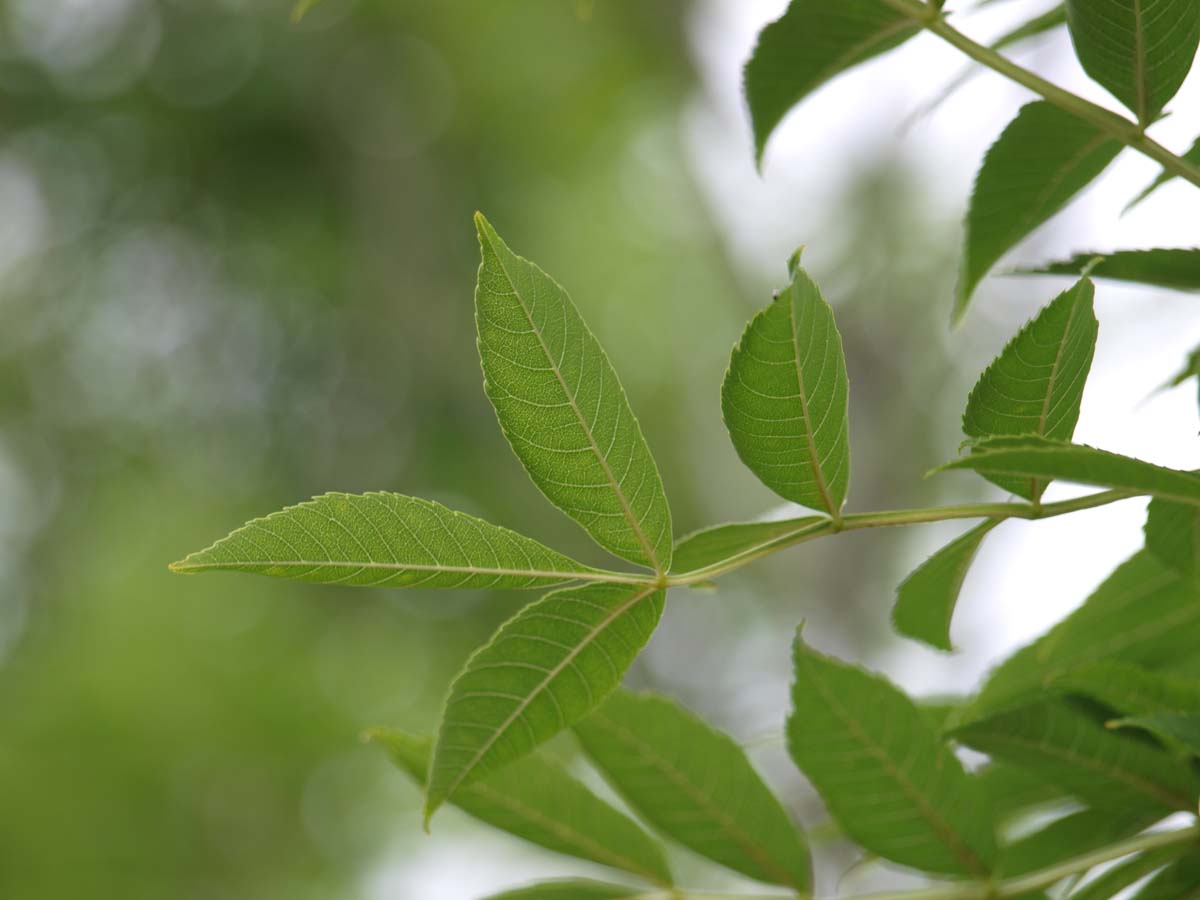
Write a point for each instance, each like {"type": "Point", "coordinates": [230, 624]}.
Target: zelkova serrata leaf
{"type": "Point", "coordinates": [537, 800]}
{"type": "Point", "coordinates": [563, 410]}
{"type": "Point", "coordinates": [545, 669]}
{"type": "Point", "coordinates": [387, 540]}
{"type": "Point", "coordinates": [785, 398]}
{"type": "Point", "coordinates": [695, 785]}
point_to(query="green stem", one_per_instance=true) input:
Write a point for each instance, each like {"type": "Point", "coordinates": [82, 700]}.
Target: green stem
{"type": "Point", "coordinates": [1128, 132]}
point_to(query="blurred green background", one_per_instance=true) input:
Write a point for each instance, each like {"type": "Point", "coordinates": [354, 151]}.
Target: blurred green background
{"type": "Point", "coordinates": [236, 268]}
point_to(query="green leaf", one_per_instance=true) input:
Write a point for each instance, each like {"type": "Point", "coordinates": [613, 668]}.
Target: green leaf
{"type": "Point", "coordinates": [572, 890]}
{"type": "Point", "coordinates": [1178, 881]}
{"type": "Point", "coordinates": [1072, 835]}
{"type": "Point", "coordinates": [1139, 50]}
{"type": "Point", "coordinates": [1176, 267]}
{"type": "Point", "coordinates": [724, 543]}
{"type": "Point", "coordinates": [1068, 748]}
{"type": "Point", "coordinates": [784, 398]}
{"type": "Point", "coordinates": [536, 800]}
{"type": "Point", "coordinates": [547, 667]}
{"type": "Point", "coordinates": [1173, 535]}
{"type": "Point", "coordinates": [1012, 790]}
{"type": "Point", "coordinates": [1143, 613]}
{"type": "Point", "coordinates": [695, 785]}
{"type": "Point", "coordinates": [813, 42]}
{"type": "Point", "coordinates": [1042, 159]}
{"type": "Point", "coordinates": [926, 599]}
{"type": "Point", "coordinates": [1129, 689]}
{"type": "Point", "coordinates": [1045, 459]}
{"type": "Point", "coordinates": [1112, 881]}
{"type": "Point", "coordinates": [563, 410]}
{"type": "Point", "coordinates": [301, 9]}
{"type": "Point", "coordinates": [1035, 385]}
{"type": "Point", "coordinates": [1192, 156]}
{"type": "Point", "coordinates": [886, 776]}
{"type": "Point", "coordinates": [387, 540]}
{"type": "Point", "coordinates": [1175, 729]}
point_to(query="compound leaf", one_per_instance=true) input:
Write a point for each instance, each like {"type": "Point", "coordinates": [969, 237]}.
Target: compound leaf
{"type": "Point", "coordinates": [386, 540]}
{"type": "Point", "coordinates": [809, 45]}
{"type": "Point", "coordinates": [573, 889]}
{"type": "Point", "coordinates": [886, 776]}
{"type": "Point", "coordinates": [784, 398]}
{"type": "Point", "coordinates": [1042, 159]}
{"type": "Point", "coordinates": [536, 800]}
{"type": "Point", "coordinates": [1175, 267]}
{"type": "Point", "coordinates": [738, 540]}
{"type": "Point", "coordinates": [563, 410]}
{"type": "Point", "coordinates": [695, 785]}
{"type": "Point", "coordinates": [1139, 50]}
{"type": "Point", "coordinates": [547, 667]}
{"type": "Point", "coordinates": [1035, 386]}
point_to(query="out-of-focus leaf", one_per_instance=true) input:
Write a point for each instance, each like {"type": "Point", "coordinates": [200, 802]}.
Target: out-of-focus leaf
{"type": "Point", "coordinates": [695, 785]}
{"type": "Point", "coordinates": [1129, 689]}
{"type": "Point", "coordinates": [1173, 535]}
{"type": "Point", "coordinates": [884, 773]}
{"type": "Point", "coordinates": [571, 890]}
{"type": "Point", "coordinates": [547, 667]}
{"type": "Point", "coordinates": [784, 398]}
{"type": "Point", "coordinates": [926, 599]}
{"type": "Point", "coordinates": [1045, 459]}
{"type": "Point", "coordinates": [1178, 881]}
{"type": "Point", "coordinates": [1042, 159]}
{"type": "Point", "coordinates": [809, 45]}
{"type": "Point", "coordinates": [1174, 267]}
{"type": "Point", "coordinates": [1192, 156]}
{"type": "Point", "coordinates": [1176, 729]}
{"type": "Point", "coordinates": [535, 799]}
{"type": "Point", "coordinates": [1012, 790]}
{"type": "Point", "coordinates": [1139, 50]}
{"type": "Point", "coordinates": [563, 409]}
{"type": "Point", "coordinates": [1102, 767]}
{"type": "Point", "coordinates": [386, 540]}
{"type": "Point", "coordinates": [737, 540]}
{"type": "Point", "coordinates": [301, 9]}
{"type": "Point", "coordinates": [1035, 385]}
{"type": "Point", "coordinates": [1072, 835]}
{"type": "Point", "coordinates": [1110, 883]}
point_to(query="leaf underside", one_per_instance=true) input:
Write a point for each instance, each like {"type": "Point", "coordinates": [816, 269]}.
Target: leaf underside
{"type": "Point", "coordinates": [545, 669]}
{"type": "Point", "coordinates": [1172, 267]}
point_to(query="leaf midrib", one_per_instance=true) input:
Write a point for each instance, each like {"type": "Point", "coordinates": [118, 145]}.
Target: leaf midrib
{"type": "Point", "coordinates": [1062, 345]}
{"type": "Point", "coordinates": [813, 459]}
{"type": "Point", "coordinates": [568, 575]}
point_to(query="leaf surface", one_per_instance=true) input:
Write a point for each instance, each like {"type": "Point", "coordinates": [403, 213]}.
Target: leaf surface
{"type": "Point", "coordinates": [1139, 50]}
{"type": "Point", "coordinates": [1192, 155]}
{"type": "Point", "coordinates": [737, 540]}
{"type": "Point", "coordinates": [1178, 881]}
{"type": "Point", "coordinates": [1173, 535]}
{"type": "Point", "coordinates": [1175, 729]}
{"type": "Point", "coordinates": [813, 42]}
{"type": "Point", "coordinates": [573, 889]}
{"type": "Point", "coordinates": [387, 540]}
{"type": "Point", "coordinates": [785, 398]}
{"type": "Point", "coordinates": [695, 785]}
{"type": "Point", "coordinates": [1041, 160]}
{"type": "Point", "coordinates": [885, 775]}
{"type": "Point", "coordinates": [563, 410]}
{"type": "Point", "coordinates": [1130, 689]}
{"type": "Point", "coordinates": [546, 668]}
{"type": "Point", "coordinates": [926, 599]}
{"type": "Point", "coordinates": [1044, 459]}
{"type": "Point", "coordinates": [1174, 267]}
{"type": "Point", "coordinates": [1072, 835]}
{"type": "Point", "coordinates": [1110, 883]}
{"type": "Point", "coordinates": [536, 800]}
{"type": "Point", "coordinates": [1035, 386]}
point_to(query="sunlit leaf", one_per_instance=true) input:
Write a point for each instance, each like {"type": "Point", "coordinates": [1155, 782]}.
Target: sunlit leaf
{"type": "Point", "coordinates": [695, 785]}
{"type": "Point", "coordinates": [1104, 768]}
{"type": "Point", "coordinates": [547, 667]}
{"type": "Point", "coordinates": [563, 410]}
{"type": "Point", "coordinates": [926, 599]}
{"type": "Point", "coordinates": [535, 799]}
{"type": "Point", "coordinates": [884, 773]}
{"type": "Point", "coordinates": [387, 540]}
{"type": "Point", "coordinates": [785, 398]}
{"type": "Point", "coordinates": [1139, 50]}
{"type": "Point", "coordinates": [1045, 459]}
{"type": "Point", "coordinates": [1072, 835]}
{"type": "Point", "coordinates": [1192, 156]}
{"type": "Point", "coordinates": [573, 890]}
{"type": "Point", "coordinates": [813, 42]}
{"type": "Point", "coordinates": [1175, 267]}
{"type": "Point", "coordinates": [1035, 386]}
{"type": "Point", "coordinates": [739, 540]}
{"type": "Point", "coordinates": [1042, 159]}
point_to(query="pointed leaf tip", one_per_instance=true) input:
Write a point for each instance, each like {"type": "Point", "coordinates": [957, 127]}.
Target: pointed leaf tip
{"type": "Point", "coordinates": [794, 261]}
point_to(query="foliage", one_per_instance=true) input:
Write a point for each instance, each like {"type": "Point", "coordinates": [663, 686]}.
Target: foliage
{"type": "Point", "coordinates": [1099, 718]}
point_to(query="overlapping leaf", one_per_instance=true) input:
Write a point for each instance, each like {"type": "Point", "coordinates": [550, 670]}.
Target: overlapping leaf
{"type": "Point", "coordinates": [695, 785]}
{"type": "Point", "coordinates": [1072, 835]}
{"type": "Point", "coordinates": [1178, 881]}
{"type": "Point", "coordinates": [1130, 689]}
{"type": "Point", "coordinates": [1112, 881]}
{"type": "Point", "coordinates": [563, 410]}
{"type": "Point", "coordinates": [1192, 155]}
{"type": "Point", "coordinates": [1065, 746]}
{"type": "Point", "coordinates": [738, 540]}
{"type": "Point", "coordinates": [810, 44]}
{"type": "Point", "coordinates": [926, 599]}
{"type": "Point", "coordinates": [1012, 790]}
{"type": "Point", "coordinates": [1139, 50]}
{"type": "Point", "coordinates": [785, 396]}
{"type": "Point", "coordinates": [1042, 159]}
{"type": "Point", "coordinates": [546, 668]}
{"type": "Point", "coordinates": [386, 540]}
{"type": "Point", "coordinates": [536, 800]}
{"type": "Point", "coordinates": [884, 774]}
{"type": "Point", "coordinates": [571, 890]}
{"type": "Point", "coordinates": [1044, 459]}
{"type": "Point", "coordinates": [1175, 267]}
{"type": "Point", "coordinates": [1035, 386]}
